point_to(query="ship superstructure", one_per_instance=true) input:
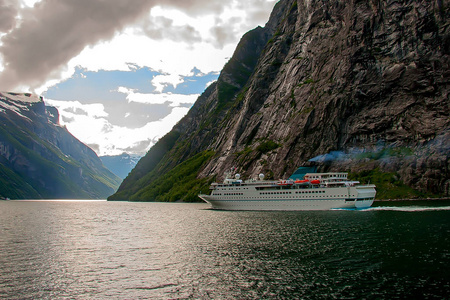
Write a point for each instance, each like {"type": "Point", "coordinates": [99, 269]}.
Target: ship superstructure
{"type": "Point", "coordinates": [316, 191]}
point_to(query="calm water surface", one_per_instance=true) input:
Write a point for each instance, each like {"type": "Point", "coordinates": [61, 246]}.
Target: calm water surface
{"type": "Point", "coordinates": [120, 250]}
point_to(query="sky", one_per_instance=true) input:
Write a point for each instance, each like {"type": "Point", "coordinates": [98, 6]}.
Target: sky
{"type": "Point", "coordinates": [121, 73]}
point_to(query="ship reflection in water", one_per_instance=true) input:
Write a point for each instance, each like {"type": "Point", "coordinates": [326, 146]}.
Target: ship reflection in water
{"type": "Point", "coordinates": [122, 250]}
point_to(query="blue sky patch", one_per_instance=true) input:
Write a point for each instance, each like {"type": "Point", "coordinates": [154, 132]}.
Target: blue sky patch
{"type": "Point", "coordinates": [93, 87]}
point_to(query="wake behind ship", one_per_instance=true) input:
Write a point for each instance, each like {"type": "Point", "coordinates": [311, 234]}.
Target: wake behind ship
{"type": "Point", "coordinates": [315, 191]}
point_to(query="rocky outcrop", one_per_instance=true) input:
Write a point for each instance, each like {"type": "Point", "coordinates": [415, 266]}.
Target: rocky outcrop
{"type": "Point", "coordinates": [368, 79]}
{"type": "Point", "coordinates": [41, 159]}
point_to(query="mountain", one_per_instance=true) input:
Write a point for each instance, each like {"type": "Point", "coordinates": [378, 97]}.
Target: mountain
{"type": "Point", "coordinates": [121, 165]}
{"type": "Point", "coordinates": [356, 86]}
{"type": "Point", "coordinates": [41, 159]}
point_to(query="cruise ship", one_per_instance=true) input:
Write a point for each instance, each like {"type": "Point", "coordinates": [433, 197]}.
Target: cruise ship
{"type": "Point", "coordinates": [309, 191]}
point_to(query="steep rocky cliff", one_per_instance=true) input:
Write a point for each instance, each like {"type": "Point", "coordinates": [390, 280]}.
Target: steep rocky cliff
{"type": "Point", "coordinates": [357, 86]}
{"type": "Point", "coordinates": [41, 159]}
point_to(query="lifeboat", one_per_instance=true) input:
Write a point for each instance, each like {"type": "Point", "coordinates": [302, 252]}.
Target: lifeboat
{"type": "Point", "coordinates": [315, 181]}
{"type": "Point", "coordinates": [301, 181]}
{"type": "Point", "coordinates": [285, 182]}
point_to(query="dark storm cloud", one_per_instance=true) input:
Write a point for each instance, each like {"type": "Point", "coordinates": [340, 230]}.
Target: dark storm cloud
{"type": "Point", "coordinates": [95, 147]}
{"type": "Point", "coordinates": [196, 7]}
{"type": "Point", "coordinates": [54, 31]}
{"type": "Point", "coordinates": [256, 10]}
{"type": "Point", "coordinates": [8, 13]}
{"type": "Point", "coordinates": [223, 32]}
{"type": "Point", "coordinates": [159, 28]}
{"type": "Point", "coordinates": [140, 147]}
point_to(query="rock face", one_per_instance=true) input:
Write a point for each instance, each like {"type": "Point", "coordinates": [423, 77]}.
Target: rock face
{"type": "Point", "coordinates": [366, 79]}
{"type": "Point", "coordinates": [41, 159]}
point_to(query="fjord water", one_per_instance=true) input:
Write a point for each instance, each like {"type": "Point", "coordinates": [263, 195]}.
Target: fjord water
{"type": "Point", "coordinates": [121, 250]}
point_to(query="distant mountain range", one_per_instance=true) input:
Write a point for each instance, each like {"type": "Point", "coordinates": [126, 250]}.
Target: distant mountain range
{"type": "Point", "coordinates": [356, 86]}
{"type": "Point", "coordinates": [121, 165]}
{"type": "Point", "coordinates": [41, 159]}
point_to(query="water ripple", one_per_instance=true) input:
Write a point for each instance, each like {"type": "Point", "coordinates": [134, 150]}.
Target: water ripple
{"type": "Point", "coordinates": [98, 250]}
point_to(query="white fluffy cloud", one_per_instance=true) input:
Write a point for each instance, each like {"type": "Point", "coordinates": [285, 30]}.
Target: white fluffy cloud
{"type": "Point", "coordinates": [173, 100]}
{"type": "Point", "coordinates": [95, 110]}
{"type": "Point", "coordinates": [89, 124]}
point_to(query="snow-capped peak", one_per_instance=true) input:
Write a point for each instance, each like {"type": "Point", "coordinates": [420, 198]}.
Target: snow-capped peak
{"type": "Point", "coordinates": [21, 97]}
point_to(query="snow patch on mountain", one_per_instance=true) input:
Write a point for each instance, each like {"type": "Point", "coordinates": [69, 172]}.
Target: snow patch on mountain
{"type": "Point", "coordinates": [22, 97]}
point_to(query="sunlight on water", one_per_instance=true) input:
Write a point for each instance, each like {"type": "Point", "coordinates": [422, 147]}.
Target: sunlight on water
{"type": "Point", "coordinates": [120, 250]}
{"type": "Point", "coordinates": [61, 200]}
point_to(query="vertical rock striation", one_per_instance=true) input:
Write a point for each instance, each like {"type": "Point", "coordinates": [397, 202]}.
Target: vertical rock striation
{"type": "Point", "coordinates": [367, 79]}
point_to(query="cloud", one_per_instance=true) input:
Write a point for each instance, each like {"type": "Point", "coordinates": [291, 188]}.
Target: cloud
{"type": "Point", "coordinates": [162, 28]}
{"type": "Point", "coordinates": [134, 67]}
{"type": "Point", "coordinates": [223, 34]}
{"type": "Point", "coordinates": [197, 7]}
{"type": "Point", "coordinates": [88, 122]}
{"type": "Point", "coordinates": [8, 13]}
{"type": "Point", "coordinates": [173, 100]}
{"type": "Point", "coordinates": [128, 97]}
{"type": "Point", "coordinates": [53, 32]}
{"type": "Point", "coordinates": [256, 10]}
{"type": "Point", "coordinates": [161, 81]}
{"type": "Point", "coordinates": [68, 108]}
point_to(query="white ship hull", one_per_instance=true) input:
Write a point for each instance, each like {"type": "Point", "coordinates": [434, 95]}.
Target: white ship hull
{"type": "Point", "coordinates": [286, 205]}
{"type": "Point", "coordinates": [265, 195]}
